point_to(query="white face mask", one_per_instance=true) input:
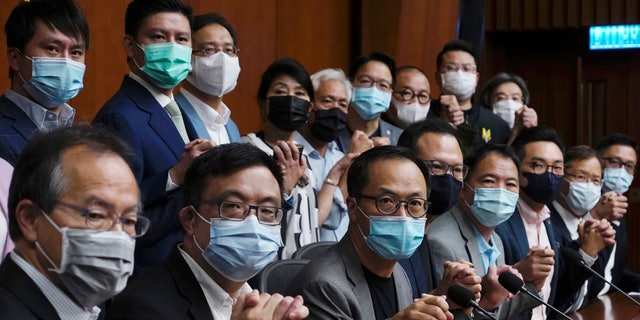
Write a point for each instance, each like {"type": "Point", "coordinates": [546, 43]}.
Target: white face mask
{"type": "Point", "coordinates": [459, 83]}
{"type": "Point", "coordinates": [506, 109]}
{"type": "Point", "coordinates": [582, 197]}
{"type": "Point", "coordinates": [410, 113]}
{"type": "Point", "coordinates": [216, 75]}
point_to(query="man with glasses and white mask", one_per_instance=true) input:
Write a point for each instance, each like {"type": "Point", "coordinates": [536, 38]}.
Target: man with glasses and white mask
{"type": "Point", "coordinates": [74, 216]}
{"type": "Point", "coordinates": [372, 78]}
{"type": "Point", "coordinates": [214, 73]}
{"type": "Point", "coordinates": [411, 99]}
{"type": "Point", "coordinates": [231, 220]}
{"type": "Point", "coordinates": [457, 76]}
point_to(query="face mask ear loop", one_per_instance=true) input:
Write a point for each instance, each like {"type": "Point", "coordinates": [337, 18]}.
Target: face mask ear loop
{"type": "Point", "coordinates": [55, 268]}
{"type": "Point", "coordinates": [194, 235]}
{"type": "Point", "coordinates": [474, 192]}
{"type": "Point", "coordinates": [134, 57]}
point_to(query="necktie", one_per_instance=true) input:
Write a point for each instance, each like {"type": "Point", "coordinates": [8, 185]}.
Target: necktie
{"type": "Point", "coordinates": [176, 116]}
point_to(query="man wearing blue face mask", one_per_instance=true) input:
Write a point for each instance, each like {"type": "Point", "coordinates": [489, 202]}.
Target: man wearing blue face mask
{"type": "Point", "coordinates": [359, 277]}
{"type": "Point", "coordinates": [620, 155]}
{"type": "Point", "coordinates": [488, 198]}
{"type": "Point", "coordinates": [143, 112]}
{"type": "Point", "coordinates": [231, 220]}
{"type": "Point", "coordinates": [46, 42]}
{"type": "Point", "coordinates": [372, 77]}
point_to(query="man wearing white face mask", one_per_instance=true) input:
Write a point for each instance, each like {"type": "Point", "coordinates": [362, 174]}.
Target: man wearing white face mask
{"type": "Point", "coordinates": [74, 215]}
{"type": "Point", "coordinates": [214, 74]}
{"type": "Point", "coordinates": [46, 42]}
{"type": "Point", "coordinates": [411, 99]}
{"type": "Point", "coordinates": [457, 77]}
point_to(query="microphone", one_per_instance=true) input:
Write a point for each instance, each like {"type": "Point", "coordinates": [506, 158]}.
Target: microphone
{"type": "Point", "coordinates": [513, 284]}
{"type": "Point", "coordinates": [465, 298]}
{"type": "Point", "coordinates": [575, 257]}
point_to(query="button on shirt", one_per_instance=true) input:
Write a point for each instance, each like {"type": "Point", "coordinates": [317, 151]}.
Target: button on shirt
{"type": "Point", "coordinates": [66, 308]}
{"type": "Point", "coordinates": [220, 302]}
{"type": "Point", "coordinates": [213, 120]}
{"type": "Point", "coordinates": [45, 119]}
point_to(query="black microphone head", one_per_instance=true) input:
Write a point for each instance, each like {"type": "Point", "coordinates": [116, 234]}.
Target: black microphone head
{"type": "Point", "coordinates": [460, 295]}
{"type": "Point", "coordinates": [571, 255]}
{"type": "Point", "coordinates": [510, 281]}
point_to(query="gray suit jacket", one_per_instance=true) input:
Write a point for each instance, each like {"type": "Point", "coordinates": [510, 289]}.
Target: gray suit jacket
{"type": "Point", "coordinates": [334, 285]}
{"type": "Point", "coordinates": [452, 237]}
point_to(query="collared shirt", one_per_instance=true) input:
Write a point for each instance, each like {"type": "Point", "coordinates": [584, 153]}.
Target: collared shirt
{"type": "Point", "coordinates": [65, 307]}
{"type": "Point", "coordinates": [488, 251]}
{"type": "Point", "coordinates": [213, 120]}
{"type": "Point", "coordinates": [220, 302]}
{"type": "Point", "coordinates": [537, 236]}
{"type": "Point", "coordinates": [43, 118]}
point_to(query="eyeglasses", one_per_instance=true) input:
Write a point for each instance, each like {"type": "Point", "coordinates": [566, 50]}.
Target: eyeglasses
{"type": "Point", "coordinates": [389, 204]}
{"type": "Point", "coordinates": [407, 95]}
{"type": "Point", "coordinates": [368, 82]}
{"type": "Point", "coordinates": [439, 168]}
{"type": "Point", "coordinates": [615, 162]}
{"type": "Point", "coordinates": [454, 67]}
{"type": "Point", "coordinates": [102, 219]}
{"type": "Point", "coordinates": [239, 211]}
{"type": "Point", "coordinates": [229, 50]}
{"type": "Point", "coordinates": [583, 178]}
{"type": "Point", "coordinates": [540, 167]}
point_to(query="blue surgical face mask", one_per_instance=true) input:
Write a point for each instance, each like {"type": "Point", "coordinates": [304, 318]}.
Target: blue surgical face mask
{"type": "Point", "coordinates": [493, 206]}
{"type": "Point", "coordinates": [54, 81]}
{"type": "Point", "coordinates": [238, 250]}
{"type": "Point", "coordinates": [616, 179]}
{"type": "Point", "coordinates": [582, 197]}
{"type": "Point", "coordinates": [542, 188]}
{"type": "Point", "coordinates": [166, 64]}
{"type": "Point", "coordinates": [394, 237]}
{"type": "Point", "coordinates": [370, 102]}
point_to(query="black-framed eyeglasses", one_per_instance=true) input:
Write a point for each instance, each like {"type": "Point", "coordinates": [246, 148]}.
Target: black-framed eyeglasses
{"type": "Point", "coordinates": [439, 168]}
{"type": "Point", "coordinates": [365, 81]}
{"type": "Point", "coordinates": [454, 67]}
{"type": "Point", "coordinates": [581, 178]}
{"type": "Point", "coordinates": [387, 204]}
{"type": "Point", "coordinates": [239, 211]}
{"type": "Point", "coordinates": [615, 162]}
{"type": "Point", "coordinates": [133, 223]}
{"type": "Point", "coordinates": [540, 167]}
{"type": "Point", "coordinates": [229, 50]}
{"type": "Point", "coordinates": [408, 94]}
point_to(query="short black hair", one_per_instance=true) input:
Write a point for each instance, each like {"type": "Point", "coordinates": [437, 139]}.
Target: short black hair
{"type": "Point", "coordinates": [578, 153]}
{"type": "Point", "coordinates": [285, 66]}
{"type": "Point", "coordinates": [503, 150]}
{"type": "Point", "coordinates": [410, 136]}
{"type": "Point", "coordinates": [139, 10]}
{"type": "Point", "coordinates": [457, 45]}
{"type": "Point", "coordinates": [373, 56]}
{"type": "Point", "coordinates": [38, 174]}
{"type": "Point", "coordinates": [223, 161]}
{"type": "Point", "coordinates": [616, 138]}
{"type": "Point", "coordinates": [63, 15]}
{"type": "Point", "coordinates": [203, 20]}
{"type": "Point", "coordinates": [499, 79]}
{"type": "Point", "coordinates": [534, 134]}
{"type": "Point", "coordinates": [358, 176]}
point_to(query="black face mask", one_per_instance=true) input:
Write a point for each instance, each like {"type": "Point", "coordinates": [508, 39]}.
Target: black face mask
{"type": "Point", "coordinates": [445, 192]}
{"type": "Point", "coordinates": [288, 113]}
{"type": "Point", "coordinates": [328, 123]}
{"type": "Point", "coordinates": [542, 188]}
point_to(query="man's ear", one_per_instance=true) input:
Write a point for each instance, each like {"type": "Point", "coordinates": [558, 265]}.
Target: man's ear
{"type": "Point", "coordinates": [352, 208]}
{"type": "Point", "coordinates": [26, 217]}
{"type": "Point", "coordinates": [188, 220]}
{"type": "Point", "coordinates": [128, 44]}
{"type": "Point", "coordinates": [12, 56]}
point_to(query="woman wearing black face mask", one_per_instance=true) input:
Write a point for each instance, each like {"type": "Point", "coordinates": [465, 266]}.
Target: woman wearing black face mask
{"type": "Point", "coordinates": [284, 99]}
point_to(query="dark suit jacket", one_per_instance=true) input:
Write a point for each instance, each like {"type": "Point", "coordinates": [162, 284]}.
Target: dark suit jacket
{"type": "Point", "coordinates": [167, 291]}
{"type": "Point", "coordinates": [419, 270]}
{"type": "Point", "coordinates": [198, 124]}
{"type": "Point", "coordinates": [385, 129]}
{"type": "Point", "coordinates": [334, 286]}
{"type": "Point", "coordinates": [136, 116]}
{"type": "Point", "coordinates": [20, 297]}
{"type": "Point", "coordinates": [15, 129]}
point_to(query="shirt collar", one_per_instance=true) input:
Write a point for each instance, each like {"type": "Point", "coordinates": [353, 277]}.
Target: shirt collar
{"type": "Point", "coordinates": [162, 98]}
{"type": "Point", "coordinates": [570, 221]}
{"type": "Point", "coordinates": [488, 251]}
{"type": "Point", "coordinates": [42, 117]}
{"type": "Point", "coordinates": [531, 216]}
{"type": "Point", "coordinates": [211, 118]}
{"type": "Point", "coordinates": [64, 306]}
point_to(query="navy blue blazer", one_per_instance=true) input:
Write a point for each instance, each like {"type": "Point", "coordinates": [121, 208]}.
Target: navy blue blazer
{"type": "Point", "coordinates": [385, 129]}
{"type": "Point", "coordinates": [135, 115]}
{"type": "Point", "coordinates": [15, 130]}
{"type": "Point", "coordinates": [198, 124]}
{"type": "Point", "coordinates": [419, 270]}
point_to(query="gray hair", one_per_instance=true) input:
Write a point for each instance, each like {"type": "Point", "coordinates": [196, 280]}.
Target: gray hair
{"type": "Point", "coordinates": [330, 74]}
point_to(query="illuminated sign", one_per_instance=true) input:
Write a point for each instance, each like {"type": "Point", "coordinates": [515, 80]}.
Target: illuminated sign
{"type": "Point", "coordinates": [625, 36]}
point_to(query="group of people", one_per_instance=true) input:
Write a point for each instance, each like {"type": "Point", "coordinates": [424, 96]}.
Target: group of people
{"type": "Point", "coordinates": [160, 209]}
